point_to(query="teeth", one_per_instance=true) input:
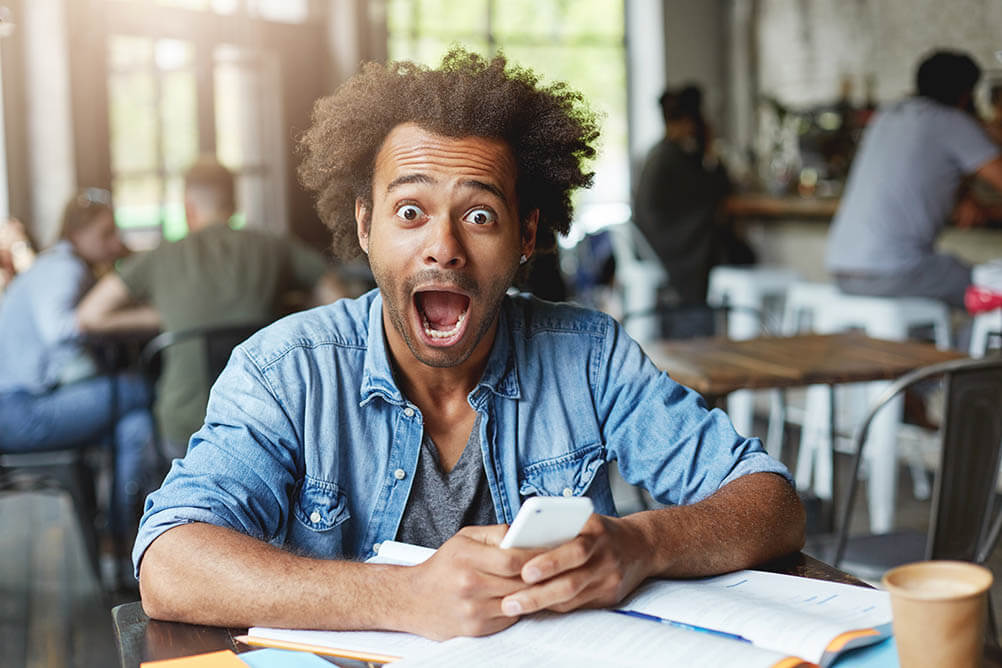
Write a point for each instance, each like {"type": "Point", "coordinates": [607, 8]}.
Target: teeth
{"type": "Point", "coordinates": [440, 334]}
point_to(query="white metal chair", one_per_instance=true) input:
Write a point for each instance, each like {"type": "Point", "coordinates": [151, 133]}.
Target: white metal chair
{"type": "Point", "coordinates": [640, 275]}
{"type": "Point", "coordinates": [747, 291]}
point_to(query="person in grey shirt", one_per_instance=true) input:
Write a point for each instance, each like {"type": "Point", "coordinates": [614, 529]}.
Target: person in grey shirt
{"type": "Point", "coordinates": [907, 181]}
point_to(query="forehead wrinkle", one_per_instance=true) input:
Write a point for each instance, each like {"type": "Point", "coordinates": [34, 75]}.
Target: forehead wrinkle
{"type": "Point", "coordinates": [486, 163]}
{"type": "Point", "coordinates": [408, 179]}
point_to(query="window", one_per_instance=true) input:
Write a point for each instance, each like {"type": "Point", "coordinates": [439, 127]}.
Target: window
{"type": "Point", "coordinates": [581, 42]}
{"type": "Point", "coordinates": [246, 108]}
{"type": "Point", "coordinates": [154, 130]}
{"type": "Point", "coordinates": [284, 11]}
{"type": "Point", "coordinates": [171, 99]}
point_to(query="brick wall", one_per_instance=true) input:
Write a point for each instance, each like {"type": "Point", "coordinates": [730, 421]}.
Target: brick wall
{"type": "Point", "coordinates": [805, 47]}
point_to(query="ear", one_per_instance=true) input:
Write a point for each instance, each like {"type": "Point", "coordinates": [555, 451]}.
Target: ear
{"type": "Point", "coordinates": [362, 220]}
{"type": "Point", "coordinates": [529, 232]}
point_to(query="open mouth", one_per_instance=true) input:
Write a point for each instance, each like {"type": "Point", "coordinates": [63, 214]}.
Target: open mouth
{"type": "Point", "coordinates": [443, 315]}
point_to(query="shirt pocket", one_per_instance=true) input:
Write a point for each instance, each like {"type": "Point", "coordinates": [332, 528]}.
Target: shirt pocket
{"type": "Point", "coordinates": [320, 505]}
{"type": "Point", "coordinates": [567, 475]}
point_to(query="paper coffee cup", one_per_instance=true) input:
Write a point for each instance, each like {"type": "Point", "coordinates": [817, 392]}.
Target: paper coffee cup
{"type": "Point", "coordinates": [939, 609]}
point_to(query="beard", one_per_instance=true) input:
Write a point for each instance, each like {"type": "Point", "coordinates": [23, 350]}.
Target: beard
{"type": "Point", "coordinates": [398, 299]}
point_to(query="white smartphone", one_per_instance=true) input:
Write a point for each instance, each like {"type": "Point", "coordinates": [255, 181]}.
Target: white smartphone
{"type": "Point", "coordinates": [547, 521]}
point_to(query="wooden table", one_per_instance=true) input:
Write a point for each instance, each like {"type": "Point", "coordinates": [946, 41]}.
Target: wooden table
{"type": "Point", "coordinates": [714, 367]}
{"type": "Point", "coordinates": [761, 205]}
{"type": "Point", "coordinates": [143, 639]}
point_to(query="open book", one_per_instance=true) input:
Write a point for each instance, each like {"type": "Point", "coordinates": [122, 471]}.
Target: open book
{"type": "Point", "coordinates": [782, 621]}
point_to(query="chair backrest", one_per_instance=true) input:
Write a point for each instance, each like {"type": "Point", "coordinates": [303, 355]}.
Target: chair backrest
{"type": "Point", "coordinates": [965, 518]}
{"type": "Point", "coordinates": [634, 253]}
{"type": "Point", "coordinates": [218, 343]}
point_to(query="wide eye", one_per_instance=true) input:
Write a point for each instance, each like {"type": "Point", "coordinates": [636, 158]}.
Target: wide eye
{"type": "Point", "coordinates": [409, 212]}
{"type": "Point", "coordinates": [480, 216]}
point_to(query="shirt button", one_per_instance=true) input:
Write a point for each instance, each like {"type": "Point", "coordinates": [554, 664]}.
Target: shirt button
{"type": "Point", "coordinates": [400, 474]}
{"type": "Point", "coordinates": [315, 517]}
{"type": "Point", "coordinates": [568, 491]}
{"type": "Point", "coordinates": [409, 412]}
{"type": "Point", "coordinates": [375, 548]}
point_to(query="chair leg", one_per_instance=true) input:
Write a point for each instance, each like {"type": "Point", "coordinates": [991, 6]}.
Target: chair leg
{"type": "Point", "coordinates": [78, 481]}
{"type": "Point", "coordinates": [992, 630]}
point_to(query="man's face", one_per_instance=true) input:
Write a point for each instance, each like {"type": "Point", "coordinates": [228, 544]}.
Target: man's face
{"type": "Point", "coordinates": [443, 240]}
{"type": "Point", "coordinates": [99, 241]}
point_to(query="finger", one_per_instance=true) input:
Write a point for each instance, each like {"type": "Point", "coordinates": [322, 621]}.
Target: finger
{"type": "Point", "coordinates": [490, 534]}
{"type": "Point", "coordinates": [548, 594]}
{"type": "Point", "coordinates": [472, 584]}
{"type": "Point", "coordinates": [572, 554]}
{"type": "Point", "coordinates": [491, 559]}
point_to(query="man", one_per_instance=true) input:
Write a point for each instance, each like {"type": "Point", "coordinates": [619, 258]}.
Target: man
{"type": "Point", "coordinates": [906, 179]}
{"type": "Point", "coordinates": [437, 402]}
{"type": "Point", "coordinates": [215, 276]}
{"type": "Point", "coordinates": [679, 196]}
{"type": "Point", "coordinates": [52, 394]}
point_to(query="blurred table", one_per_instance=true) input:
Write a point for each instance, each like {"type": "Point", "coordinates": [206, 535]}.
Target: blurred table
{"type": "Point", "coordinates": [141, 639]}
{"type": "Point", "coordinates": [761, 205]}
{"type": "Point", "coordinates": [714, 367]}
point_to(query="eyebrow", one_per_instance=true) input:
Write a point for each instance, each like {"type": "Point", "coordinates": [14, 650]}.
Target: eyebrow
{"type": "Point", "coordinates": [424, 178]}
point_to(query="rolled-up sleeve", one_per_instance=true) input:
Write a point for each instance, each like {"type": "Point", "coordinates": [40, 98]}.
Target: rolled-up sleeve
{"type": "Point", "coordinates": [662, 434]}
{"type": "Point", "coordinates": [240, 468]}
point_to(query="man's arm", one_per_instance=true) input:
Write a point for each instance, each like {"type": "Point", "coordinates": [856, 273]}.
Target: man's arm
{"type": "Point", "coordinates": [109, 307]}
{"type": "Point", "coordinates": [991, 173]}
{"type": "Point", "coordinates": [748, 521]}
{"type": "Point", "coordinates": [236, 580]}
{"type": "Point", "coordinates": [469, 585]}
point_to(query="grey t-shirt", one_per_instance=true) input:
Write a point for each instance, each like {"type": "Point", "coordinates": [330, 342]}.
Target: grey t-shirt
{"type": "Point", "coordinates": [441, 503]}
{"type": "Point", "coordinates": [903, 186]}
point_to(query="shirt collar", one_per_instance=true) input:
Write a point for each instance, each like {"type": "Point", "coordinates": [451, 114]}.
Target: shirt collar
{"type": "Point", "coordinates": [500, 375]}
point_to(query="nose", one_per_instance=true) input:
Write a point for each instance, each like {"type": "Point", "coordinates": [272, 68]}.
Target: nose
{"type": "Point", "coordinates": [444, 247]}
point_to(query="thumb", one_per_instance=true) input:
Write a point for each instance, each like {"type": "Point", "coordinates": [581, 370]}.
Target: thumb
{"type": "Point", "coordinates": [489, 535]}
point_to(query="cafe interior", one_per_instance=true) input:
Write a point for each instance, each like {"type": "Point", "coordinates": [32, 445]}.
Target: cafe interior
{"type": "Point", "coordinates": [123, 96]}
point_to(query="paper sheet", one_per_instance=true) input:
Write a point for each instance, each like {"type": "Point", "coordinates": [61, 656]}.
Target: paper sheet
{"type": "Point", "coordinates": [381, 642]}
{"type": "Point", "coordinates": [400, 554]}
{"type": "Point", "coordinates": [591, 638]}
{"type": "Point", "coordinates": [781, 612]}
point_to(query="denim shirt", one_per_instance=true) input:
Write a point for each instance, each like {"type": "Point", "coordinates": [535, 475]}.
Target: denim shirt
{"type": "Point", "coordinates": [309, 444]}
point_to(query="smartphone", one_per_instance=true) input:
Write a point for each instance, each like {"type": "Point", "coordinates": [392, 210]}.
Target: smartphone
{"type": "Point", "coordinates": [547, 521]}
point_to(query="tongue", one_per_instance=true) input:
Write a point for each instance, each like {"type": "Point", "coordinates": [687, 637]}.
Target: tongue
{"type": "Point", "coordinates": [443, 308]}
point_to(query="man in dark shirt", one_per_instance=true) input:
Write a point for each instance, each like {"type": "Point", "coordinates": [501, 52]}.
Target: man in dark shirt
{"type": "Point", "coordinates": [678, 198]}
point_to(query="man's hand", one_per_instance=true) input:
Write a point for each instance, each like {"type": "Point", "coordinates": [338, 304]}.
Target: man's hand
{"type": "Point", "coordinates": [598, 568]}
{"type": "Point", "coordinates": [458, 591]}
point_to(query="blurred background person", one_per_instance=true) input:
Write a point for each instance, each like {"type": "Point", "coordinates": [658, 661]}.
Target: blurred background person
{"type": "Point", "coordinates": [213, 277]}
{"type": "Point", "coordinates": [993, 123]}
{"type": "Point", "coordinates": [907, 181]}
{"type": "Point", "coordinates": [16, 250]}
{"type": "Point", "coordinates": [52, 394]}
{"type": "Point", "coordinates": [679, 195]}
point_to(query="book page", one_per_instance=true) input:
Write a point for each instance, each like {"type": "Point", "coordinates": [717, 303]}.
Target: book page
{"type": "Point", "coordinates": [400, 554]}
{"type": "Point", "coordinates": [595, 638]}
{"type": "Point", "coordinates": [390, 643]}
{"type": "Point", "coordinates": [785, 613]}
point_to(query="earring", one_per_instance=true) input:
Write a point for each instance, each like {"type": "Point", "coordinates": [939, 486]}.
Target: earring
{"type": "Point", "coordinates": [523, 259]}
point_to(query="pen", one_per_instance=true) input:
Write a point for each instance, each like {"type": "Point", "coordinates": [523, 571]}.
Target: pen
{"type": "Point", "coordinates": [682, 625]}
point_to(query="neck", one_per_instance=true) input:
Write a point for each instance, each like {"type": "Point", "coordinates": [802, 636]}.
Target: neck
{"type": "Point", "coordinates": [432, 387]}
